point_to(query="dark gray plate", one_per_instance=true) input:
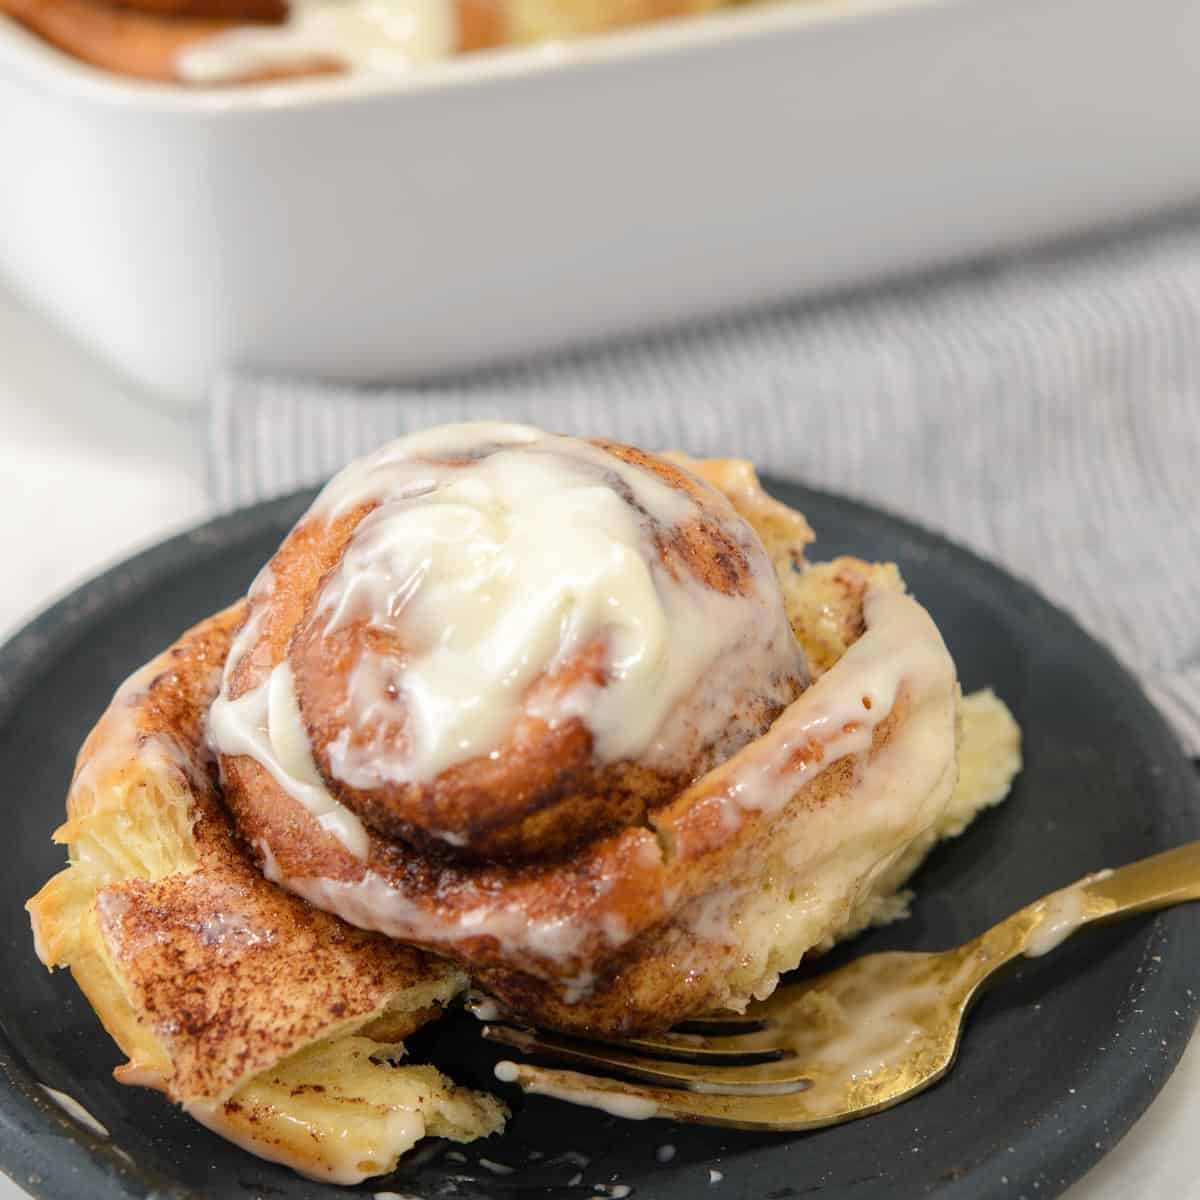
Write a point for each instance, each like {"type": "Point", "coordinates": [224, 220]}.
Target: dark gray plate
{"type": "Point", "coordinates": [1057, 1062]}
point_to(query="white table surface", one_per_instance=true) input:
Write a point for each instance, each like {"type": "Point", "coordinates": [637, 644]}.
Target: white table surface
{"type": "Point", "coordinates": [91, 471]}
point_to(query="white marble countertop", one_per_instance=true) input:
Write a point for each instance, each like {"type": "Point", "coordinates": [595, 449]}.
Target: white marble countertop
{"type": "Point", "coordinates": [90, 471]}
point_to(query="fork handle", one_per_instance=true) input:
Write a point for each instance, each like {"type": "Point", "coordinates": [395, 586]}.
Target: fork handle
{"type": "Point", "coordinates": [1151, 883]}
{"type": "Point", "coordinates": [1159, 881]}
{"type": "Point", "coordinates": [1155, 882]}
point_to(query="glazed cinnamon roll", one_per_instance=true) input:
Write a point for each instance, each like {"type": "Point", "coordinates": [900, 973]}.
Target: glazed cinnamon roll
{"type": "Point", "coordinates": [206, 42]}
{"type": "Point", "coordinates": [539, 705]}
{"type": "Point", "coordinates": [573, 722]}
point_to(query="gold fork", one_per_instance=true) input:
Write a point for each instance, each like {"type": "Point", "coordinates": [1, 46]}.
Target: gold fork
{"type": "Point", "coordinates": [841, 1046]}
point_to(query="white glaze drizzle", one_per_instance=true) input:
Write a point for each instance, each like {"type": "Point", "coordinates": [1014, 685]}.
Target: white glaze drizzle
{"type": "Point", "coordinates": [1062, 913]}
{"type": "Point", "coordinates": [75, 1110]}
{"type": "Point", "coordinates": [372, 903]}
{"type": "Point", "coordinates": [842, 709]}
{"type": "Point", "coordinates": [483, 1007]}
{"type": "Point", "coordinates": [373, 36]}
{"type": "Point", "coordinates": [496, 1168]}
{"type": "Point", "coordinates": [509, 566]}
{"type": "Point", "coordinates": [632, 1108]}
{"type": "Point", "coordinates": [898, 793]}
{"type": "Point", "coordinates": [264, 723]}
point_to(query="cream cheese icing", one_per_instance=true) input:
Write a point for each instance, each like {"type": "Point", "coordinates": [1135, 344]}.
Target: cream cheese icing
{"type": "Point", "coordinates": [502, 567]}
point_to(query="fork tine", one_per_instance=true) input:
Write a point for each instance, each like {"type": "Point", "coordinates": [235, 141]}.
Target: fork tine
{"type": "Point", "coordinates": [692, 1047]}
{"type": "Point", "coordinates": [715, 1047]}
{"type": "Point", "coordinates": [637, 1102]}
{"type": "Point", "coordinates": [723, 1024]}
{"type": "Point", "coordinates": [775, 1077]}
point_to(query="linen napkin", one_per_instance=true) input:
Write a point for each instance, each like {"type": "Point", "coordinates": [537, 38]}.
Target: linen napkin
{"type": "Point", "coordinates": [1044, 411]}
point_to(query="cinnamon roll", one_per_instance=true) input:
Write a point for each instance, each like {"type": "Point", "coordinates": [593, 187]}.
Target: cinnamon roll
{"type": "Point", "coordinates": [574, 722]}
{"type": "Point", "coordinates": [545, 707]}
{"type": "Point", "coordinates": [207, 42]}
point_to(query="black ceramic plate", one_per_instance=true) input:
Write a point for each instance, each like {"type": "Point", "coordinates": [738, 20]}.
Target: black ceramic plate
{"type": "Point", "coordinates": [1056, 1064]}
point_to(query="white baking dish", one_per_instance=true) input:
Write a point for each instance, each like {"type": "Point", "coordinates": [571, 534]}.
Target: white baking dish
{"type": "Point", "coordinates": [523, 200]}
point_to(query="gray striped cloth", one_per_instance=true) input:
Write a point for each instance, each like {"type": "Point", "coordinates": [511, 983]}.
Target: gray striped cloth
{"type": "Point", "coordinates": [1044, 412]}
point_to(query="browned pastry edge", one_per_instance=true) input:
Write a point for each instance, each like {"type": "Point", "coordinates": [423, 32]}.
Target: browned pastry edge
{"type": "Point", "coordinates": [203, 972]}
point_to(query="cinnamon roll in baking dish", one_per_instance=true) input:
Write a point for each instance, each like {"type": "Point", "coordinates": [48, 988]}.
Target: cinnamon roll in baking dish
{"type": "Point", "coordinates": [571, 721]}
{"type": "Point", "coordinates": [249, 41]}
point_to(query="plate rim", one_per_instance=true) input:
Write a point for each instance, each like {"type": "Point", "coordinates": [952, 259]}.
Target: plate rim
{"type": "Point", "coordinates": [50, 1167]}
